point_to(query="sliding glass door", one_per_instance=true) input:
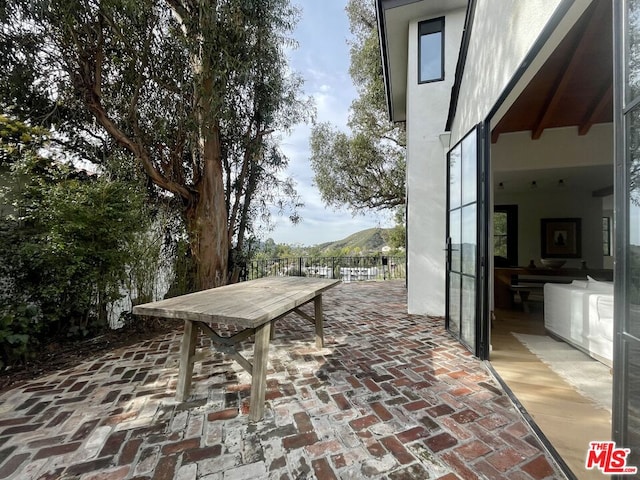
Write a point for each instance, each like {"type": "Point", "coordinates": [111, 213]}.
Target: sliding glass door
{"type": "Point", "coordinates": [463, 240]}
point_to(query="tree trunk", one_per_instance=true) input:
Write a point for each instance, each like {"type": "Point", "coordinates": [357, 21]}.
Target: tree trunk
{"type": "Point", "coordinates": [207, 219]}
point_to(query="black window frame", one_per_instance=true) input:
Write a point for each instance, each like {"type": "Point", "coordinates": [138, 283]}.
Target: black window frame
{"type": "Point", "coordinates": [606, 231]}
{"type": "Point", "coordinates": [428, 27]}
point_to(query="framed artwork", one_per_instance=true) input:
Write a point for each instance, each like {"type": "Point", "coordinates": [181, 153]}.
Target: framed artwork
{"type": "Point", "coordinates": [561, 237]}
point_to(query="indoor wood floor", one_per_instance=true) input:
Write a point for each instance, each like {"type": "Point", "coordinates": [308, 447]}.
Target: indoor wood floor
{"type": "Point", "coordinates": [566, 418]}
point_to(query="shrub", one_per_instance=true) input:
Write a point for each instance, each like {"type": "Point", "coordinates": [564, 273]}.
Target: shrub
{"type": "Point", "coordinates": [64, 252]}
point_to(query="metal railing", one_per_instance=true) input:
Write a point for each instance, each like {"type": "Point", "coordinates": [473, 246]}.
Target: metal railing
{"type": "Point", "coordinates": [347, 269]}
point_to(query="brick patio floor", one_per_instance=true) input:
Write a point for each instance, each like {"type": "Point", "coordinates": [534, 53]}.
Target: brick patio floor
{"type": "Point", "coordinates": [392, 396]}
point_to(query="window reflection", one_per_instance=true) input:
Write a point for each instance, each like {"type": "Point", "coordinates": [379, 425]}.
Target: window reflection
{"type": "Point", "coordinates": [469, 239]}
{"type": "Point", "coordinates": [455, 227]}
{"type": "Point", "coordinates": [454, 302]}
{"type": "Point", "coordinates": [633, 287]}
{"type": "Point", "coordinates": [430, 50]}
{"type": "Point", "coordinates": [430, 58]}
{"type": "Point", "coordinates": [455, 174]}
{"type": "Point", "coordinates": [468, 310]}
{"type": "Point", "coordinates": [633, 50]}
{"type": "Point", "coordinates": [633, 405]}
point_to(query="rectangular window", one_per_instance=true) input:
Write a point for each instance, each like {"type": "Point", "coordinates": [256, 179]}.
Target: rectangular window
{"type": "Point", "coordinates": [500, 234]}
{"type": "Point", "coordinates": [431, 50]}
{"type": "Point", "coordinates": [505, 235]}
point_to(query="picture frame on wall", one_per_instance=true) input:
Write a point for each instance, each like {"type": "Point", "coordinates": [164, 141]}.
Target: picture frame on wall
{"type": "Point", "coordinates": [561, 237]}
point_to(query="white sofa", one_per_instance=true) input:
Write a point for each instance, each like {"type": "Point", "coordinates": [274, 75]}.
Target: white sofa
{"type": "Point", "coordinates": [581, 313]}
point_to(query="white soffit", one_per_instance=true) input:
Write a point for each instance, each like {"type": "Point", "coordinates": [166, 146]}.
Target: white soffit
{"type": "Point", "coordinates": [397, 16]}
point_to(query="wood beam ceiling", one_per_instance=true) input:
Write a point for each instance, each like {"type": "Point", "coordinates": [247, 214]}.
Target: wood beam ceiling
{"type": "Point", "coordinates": [573, 88]}
{"type": "Point", "coordinates": [597, 107]}
{"type": "Point", "coordinates": [580, 46]}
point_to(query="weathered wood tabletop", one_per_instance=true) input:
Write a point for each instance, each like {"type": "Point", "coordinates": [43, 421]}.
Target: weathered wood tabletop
{"type": "Point", "coordinates": [254, 306]}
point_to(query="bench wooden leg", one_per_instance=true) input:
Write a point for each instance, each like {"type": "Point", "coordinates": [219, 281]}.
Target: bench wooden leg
{"type": "Point", "coordinates": [259, 372]}
{"type": "Point", "coordinates": [187, 354]}
{"type": "Point", "coordinates": [317, 303]}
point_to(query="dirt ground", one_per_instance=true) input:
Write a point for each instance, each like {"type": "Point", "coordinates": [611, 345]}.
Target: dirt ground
{"type": "Point", "coordinates": [60, 355]}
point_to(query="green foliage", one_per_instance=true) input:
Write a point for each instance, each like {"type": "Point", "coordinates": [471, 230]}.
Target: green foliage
{"type": "Point", "coordinates": [397, 237]}
{"type": "Point", "coordinates": [370, 240]}
{"type": "Point", "coordinates": [16, 137]}
{"type": "Point", "coordinates": [500, 234]}
{"type": "Point", "coordinates": [194, 92]}
{"type": "Point", "coordinates": [65, 254]}
{"type": "Point", "coordinates": [364, 169]}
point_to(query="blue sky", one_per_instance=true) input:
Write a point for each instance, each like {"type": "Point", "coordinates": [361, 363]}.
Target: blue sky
{"type": "Point", "coordinates": [322, 59]}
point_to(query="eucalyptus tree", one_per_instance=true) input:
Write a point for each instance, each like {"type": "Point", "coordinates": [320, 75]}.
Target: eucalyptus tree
{"type": "Point", "coordinates": [364, 169]}
{"type": "Point", "coordinates": [195, 91]}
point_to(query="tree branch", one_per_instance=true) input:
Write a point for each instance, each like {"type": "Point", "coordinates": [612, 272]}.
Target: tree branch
{"type": "Point", "coordinates": [95, 107]}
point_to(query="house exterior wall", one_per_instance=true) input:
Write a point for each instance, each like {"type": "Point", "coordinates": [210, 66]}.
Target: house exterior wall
{"type": "Point", "coordinates": [504, 31]}
{"type": "Point", "coordinates": [427, 107]}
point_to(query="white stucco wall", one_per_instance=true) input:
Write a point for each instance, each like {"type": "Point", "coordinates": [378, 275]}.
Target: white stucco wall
{"type": "Point", "coordinates": [427, 108]}
{"type": "Point", "coordinates": [504, 31]}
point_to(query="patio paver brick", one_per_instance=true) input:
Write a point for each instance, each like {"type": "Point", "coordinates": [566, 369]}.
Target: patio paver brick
{"type": "Point", "coordinates": [391, 396]}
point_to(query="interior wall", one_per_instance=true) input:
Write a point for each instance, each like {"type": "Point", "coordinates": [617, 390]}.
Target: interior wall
{"type": "Point", "coordinates": [534, 206]}
{"type": "Point", "coordinates": [556, 148]}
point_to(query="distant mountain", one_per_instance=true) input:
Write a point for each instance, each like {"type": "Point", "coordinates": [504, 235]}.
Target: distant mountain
{"type": "Point", "coordinates": [367, 240]}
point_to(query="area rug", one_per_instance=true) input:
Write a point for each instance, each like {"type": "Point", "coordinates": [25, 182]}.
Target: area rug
{"type": "Point", "coordinates": [588, 376]}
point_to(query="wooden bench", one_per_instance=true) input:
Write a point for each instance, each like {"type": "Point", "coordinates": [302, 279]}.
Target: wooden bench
{"type": "Point", "coordinates": [252, 306]}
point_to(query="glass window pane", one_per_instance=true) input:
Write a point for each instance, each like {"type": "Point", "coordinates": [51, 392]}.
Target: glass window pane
{"type": "Point", "coordinates": [499, 223]}
{"type": "Point", "coordinates": [468, 315]}
{"type": "Point", "coordinates": [454, 302]}
{"type": "Point", "coordinates": [632, 360]}
{"type": "Point", "coordinates": [455, 183]}
{"type": "Point", "coordinates": [455, 232]}
{"type": "Point", "coordinates": [633, 50]}
{"type": "Point", "coordinates": [431, 56]}
{"type": "Point", "coordinates": [633, 161]}
{"type": "Point", "coordinates": [500, 246]}
{"type": "Point", "coordinates": [469, 239]}
{"type": "Point", "coordinates": [469, 168]}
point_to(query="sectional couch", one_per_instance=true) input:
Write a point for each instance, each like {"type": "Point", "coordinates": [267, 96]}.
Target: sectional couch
{"type": "Point", "coordinates": [581, 313]}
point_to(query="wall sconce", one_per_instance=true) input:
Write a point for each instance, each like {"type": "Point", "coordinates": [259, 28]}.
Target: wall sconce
{"type": "Point", "coordinates": [534, 185]}
{"type": "Point", "coordinates": [501, 186]}
{"type": "Point", "coordinates": [561, 183]}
